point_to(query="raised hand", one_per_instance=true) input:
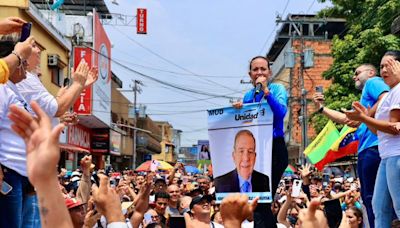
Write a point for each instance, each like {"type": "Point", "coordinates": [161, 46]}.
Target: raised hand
{"type": "Point", "coordinates": [312, 216]}
{"type": "Point", "coordinates": [24, 49]}
{"type": "Point", "coordinates": [42, 155]}
{"type": "Point", "coordinates": [69, 118]}
{"type": "Point", "coordinates": [42, 149]}
{"type": "Point", "coordinates": [80, 74]}
{"type": "Point", "coordinates": [394, 67]}
{"type": "Point", "coordinates": [318, 99]}
{"type": "Point", "coordinates": [143, 195]}
{"type": "Point", "coordinates": [11, 24]}
{"type": "Point", "coordinates": [305, 170]}
{"type": "Point", "coordinates": [86, 163]}
{"type": "Point", "coordinates": [141, 201]}
{"type": "Point", "coordinates": [91, 216]}
{"type": "Point", "coordinates": [235, 209]}
{"type": "Point", "coordinates": [359, 112]}
{"type": "Point", "coordinates": [107, 201]}
{"type": "Point", "coordinates": [92, 76]}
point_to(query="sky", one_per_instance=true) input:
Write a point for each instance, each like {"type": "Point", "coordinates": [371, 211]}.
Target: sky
{"type": "Point", "coordinates": [195, 51]}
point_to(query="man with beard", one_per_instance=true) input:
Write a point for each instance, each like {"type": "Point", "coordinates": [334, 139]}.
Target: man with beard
{"type": "Point", "coordinates": [373, 90]}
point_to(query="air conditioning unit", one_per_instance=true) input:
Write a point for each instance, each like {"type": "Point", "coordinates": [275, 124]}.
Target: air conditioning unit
{"type": "Point", "coordinates": [52, 60]}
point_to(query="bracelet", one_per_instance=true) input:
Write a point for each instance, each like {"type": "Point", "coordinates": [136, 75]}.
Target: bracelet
{"type": "Point", "coordinates": [267, 94]}
{"type": "Point", "coordinates": [19, 58]}
{"type": "Point", "coordinates": [320, 110]}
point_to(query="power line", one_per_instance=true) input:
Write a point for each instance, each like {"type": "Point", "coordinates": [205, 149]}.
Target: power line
{"type": "Point", "coordinates": [159, 114]}
{"type": "Point", "coordinates": [273, 30]}
{"type": "Point", "coordinates": [160, 81]}
{"type": "Point", "coordinates": [177, 73]}
{"type": "Point", "coordinates": [170, 62]}
{"type": "Point", "coordinates": [284, 9]}
{"type": "Point", "coordinates": [171, 89]}
{"type": "Point", "coordinates": [161, 103]}
{"type": "Point", "coordinates": [267, 40]}
{"type": "Point", "coordinates": [309, 8]}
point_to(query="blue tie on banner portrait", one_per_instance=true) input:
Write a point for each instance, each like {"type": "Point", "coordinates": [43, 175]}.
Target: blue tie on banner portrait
{"type": "Point", "coordinates": [246, 186]}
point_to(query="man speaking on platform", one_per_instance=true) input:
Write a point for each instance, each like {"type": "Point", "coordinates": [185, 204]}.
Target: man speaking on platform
{"type": "Point", "coordinates": [244, 178]}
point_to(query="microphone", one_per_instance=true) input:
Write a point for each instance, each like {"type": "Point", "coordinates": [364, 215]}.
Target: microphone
{"type": "Point", "coordinates": [258, 88]}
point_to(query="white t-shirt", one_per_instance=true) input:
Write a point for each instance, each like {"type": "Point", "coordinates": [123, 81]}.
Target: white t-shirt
{"type": "Point", "coordinates": [32, 89]}
{"type": "Point", "coordinates": [12, 146]}
{"type": "Point", "coordinates": [389, 145]}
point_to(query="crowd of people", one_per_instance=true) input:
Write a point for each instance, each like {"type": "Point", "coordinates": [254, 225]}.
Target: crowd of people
{"type": "Point", "coordinates": [43, 196]}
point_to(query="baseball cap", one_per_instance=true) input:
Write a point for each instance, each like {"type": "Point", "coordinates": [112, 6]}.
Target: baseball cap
{"type": "Point", "coordinates": [160, 180]}
{"type": "Point", "coordinates": [72, 202]}
{"type": "Point", "coordinates": [199, 198]}
{"type": "Point", "coordinates": [196, 192]}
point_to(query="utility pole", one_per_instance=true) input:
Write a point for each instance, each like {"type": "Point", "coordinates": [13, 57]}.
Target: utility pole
{"type": "Point", "coordinates": [303, 102]}
{"type": "Point", "coordinates": [136, 89]}
{"type": "Point", "coordinates": [296, 31]}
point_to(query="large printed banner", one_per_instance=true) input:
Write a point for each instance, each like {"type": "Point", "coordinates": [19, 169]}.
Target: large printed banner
{"type": "Point", "coordinates": [101, 91]}
{"type": "Point", "coordinates": [241, 142]}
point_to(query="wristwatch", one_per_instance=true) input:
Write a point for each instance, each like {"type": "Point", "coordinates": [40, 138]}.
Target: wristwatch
{"type": "Point", "coordinates": [321, 109]}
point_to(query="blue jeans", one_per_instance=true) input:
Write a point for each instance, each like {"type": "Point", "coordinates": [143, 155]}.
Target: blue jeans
{"type": "Point", "coordinates": [18, 208]}
{"type": "Point", "coordinates": [387, 192]}
{"type": "Point", "coordinates": [367, 168]}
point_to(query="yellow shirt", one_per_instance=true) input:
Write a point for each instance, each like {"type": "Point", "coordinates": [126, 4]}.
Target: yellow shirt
{"type": "Point", "coordinates": [4, 72]}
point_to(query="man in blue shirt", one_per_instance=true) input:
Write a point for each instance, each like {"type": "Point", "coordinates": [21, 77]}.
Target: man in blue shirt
{"type": "Point", "coordinates": [373, 89]}
{"type": "Point", "coordinates": [276, 96]}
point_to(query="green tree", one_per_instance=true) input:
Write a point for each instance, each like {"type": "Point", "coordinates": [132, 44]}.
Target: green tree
{"type": "Point", "coordinates": [366, 39]}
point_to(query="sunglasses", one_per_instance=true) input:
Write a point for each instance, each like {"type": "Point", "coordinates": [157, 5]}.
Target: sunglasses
{"type": "Point", "coordinates": [359, 72]}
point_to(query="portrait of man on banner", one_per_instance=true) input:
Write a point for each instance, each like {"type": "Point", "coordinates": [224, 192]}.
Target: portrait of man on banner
{"type": "Point", "coordinates": [242, 151]}
{"type": "Point", "coordinates": [243, 178]}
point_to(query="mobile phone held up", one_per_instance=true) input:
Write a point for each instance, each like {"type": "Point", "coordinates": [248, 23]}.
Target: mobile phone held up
{"type": "Point", "coordinates": [319, 89]}
{"type": "Point", "coordinates": [5, 188]}
{"type": "Point", "coordinates": [325, 180]}
{"type": "Point", "coordinates": [25, 31]}
{"type": "Point", "coordinates": [296, 188]}
{"type": "Point", "coordinates": [66, 82]}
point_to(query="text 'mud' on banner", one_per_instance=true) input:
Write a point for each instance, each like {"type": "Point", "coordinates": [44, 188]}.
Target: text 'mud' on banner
{"type": "Point", "coordinates": [241, 156]}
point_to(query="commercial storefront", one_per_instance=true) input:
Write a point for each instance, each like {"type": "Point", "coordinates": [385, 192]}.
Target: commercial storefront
{"type": "Point", "coordinates": [94, 104]}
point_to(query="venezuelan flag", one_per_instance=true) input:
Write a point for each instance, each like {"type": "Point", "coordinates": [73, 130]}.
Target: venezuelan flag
{"type": "Point", "coordinates": [346, 144]}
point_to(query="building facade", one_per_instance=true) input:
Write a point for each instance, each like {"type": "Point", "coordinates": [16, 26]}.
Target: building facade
{"type": "Point", "coordinates": [167, 147]}
{"type": "Point", "coordinates": [121, 132]}
{"type": "Point", "coordinates": [305, 37]}
{"type": "Point", "coordinates": [148, 140]}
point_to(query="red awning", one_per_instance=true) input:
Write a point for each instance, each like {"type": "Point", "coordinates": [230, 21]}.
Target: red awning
{"type": "Point", "coordinates": [73, 148]}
